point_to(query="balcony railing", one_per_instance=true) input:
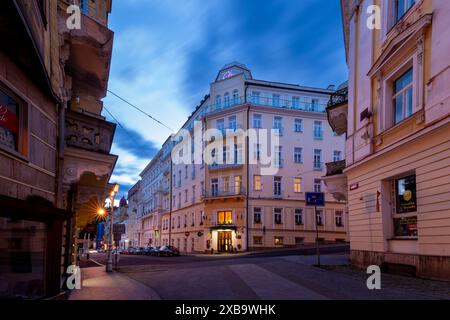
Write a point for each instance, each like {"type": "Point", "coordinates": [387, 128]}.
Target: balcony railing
{"type": "Point", "coordinates": [264, 101]}
{"type": "Point", "coordinates": [223, 192]}
{"type": "Point", "coordinates": [223, 166]}
{"type": "Point", "coordinates": [335, 168]}
{"type": "Point", "coordinates": [338, 98]}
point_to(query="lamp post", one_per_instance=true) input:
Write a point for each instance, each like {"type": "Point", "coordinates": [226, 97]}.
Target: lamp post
{"type": "Point", "coordinates": [102, 212]}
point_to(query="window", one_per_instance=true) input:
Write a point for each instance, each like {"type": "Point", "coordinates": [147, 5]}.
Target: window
{"type": "Point", "coordinates": [186, 171]}
{"type": "Point", "coordinates": [277, 186]}
{"type": "Point", "coordinates": [218, 101]}
{"type": "Point", "coordinates": [298, 155]}
{"type": "Point", "coordinates": [11, 114]}
{"type": "Point", "coordinates": [226, 100]}
{"type": "Point", "coordinates": [336, 156]}
{"type": "Point", "coordinates": [299, 217]}
{"type": "Point", "coordinates": [238, 159]}
{"type": "Point", "coordinates": [402, 6]}
{"type": "Point", "coordinates": [403, 96]}
{"type": "Point", "coordinates": [255, 97]}
{"type": "Point", "coordinates": [296, 102]}
{"type": "Point", "coordinates": [257, 121]}
{"type": "Point", "coordinates": [235, 97]}
{"type": "Point", "coordinates": [237, 184]}
{"type": "Point", "coordinates": [317, 185]}
{"type": "Point", "coordinates": [319, 217]}
{"type": "Point", "coordinates": [318, 159]}
{"type": "Point", "coordinates": [315, 105]}
{"type": "Point", "coordinates": [405, 219]}
{"type": "Point", "coordinates": [278, 241]}
{"type": "Point", "coordinates": [232, 123]}
{"type": "Point", "coordinates": [318, 133]}
{"type": "Point", "coordinates": [257, 183]}
{"type": "Point", "coordinates": [297, 185]}
{"type": "Point", "coordinates": [179, 222]}
{"type": "Point", "coordinates": [84, 7]}
{"type": "Point", "coordinates": [185, 195]}
{"type": "Point", "coordinates": [278, 216]}
{"type": "Point", "coordinates": [220, 124]}
{"type": "Point", "coordinates": [214, 187]}
{"type": "Point", "coordinates": [257, 215]}
{"type": "Point", "coordinates": [275, 100]}
{"type": "Point", "coordinates": [278, 125]}
{"type": "Point", "coordinates": [257, 152]}
{"type": "Point", "coordinates": [226, 184]}
{"type": "Point", "coordinates": [224, 217]}
{"type": "Point", "coordinates": [193, 194]}
{"type": "Point", "coordinates": [298, 125]}
{"type": "Point", "coordinates": [179, 199]}
{"type": "Point", "coordinates": [339, 218]}
{"type": "Point", "coordinates": [179, 178]}
{"type": "Point", "coordinates": [185, 220]}
{"type": "Point", "coordinates": [405, 195]}
{"type": "Point", "coordinates": [257, 240]}
{"type": "Point", "coordinates": [278, 157]}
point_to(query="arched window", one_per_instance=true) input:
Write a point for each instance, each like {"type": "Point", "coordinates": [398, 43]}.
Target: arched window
{"type": "Point", "coordinates": [235, 97]}
{"type": "Point", "coordinates": [226, 100]}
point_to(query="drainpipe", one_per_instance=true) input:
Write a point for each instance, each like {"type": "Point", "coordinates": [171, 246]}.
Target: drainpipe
{"type": "Point", "coordinates": [248, 168]}
{"type": "Point", "coordinates": [60, 153]}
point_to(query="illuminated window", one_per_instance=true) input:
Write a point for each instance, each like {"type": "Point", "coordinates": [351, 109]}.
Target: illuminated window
{"type": "Point", "coordinates": [279, 241]}
{"type": "Point", "coordinates": [224, 217]}
{"type": "Point", "coordinates": [237, 184]}
{"type": "Point", "coordinates": [405, 216]}
{"type": "Point", "coordinates": [257, 183]}
{"type": "Point", "coordinates": [297, 185]}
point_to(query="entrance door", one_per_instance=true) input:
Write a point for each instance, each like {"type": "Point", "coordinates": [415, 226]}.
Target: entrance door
{"type": "Point", "coordinates": [224, 241]}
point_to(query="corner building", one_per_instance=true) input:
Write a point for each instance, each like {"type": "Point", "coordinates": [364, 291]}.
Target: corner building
{"type": "Point", "coordinates": [230, 204]}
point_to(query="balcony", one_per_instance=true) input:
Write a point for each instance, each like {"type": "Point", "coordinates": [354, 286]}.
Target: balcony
{"type": "Point", "coordinates": [336, 181]}
{"type": "Point", "coordinates": [89, 132]}
{"type": "Point", "coordinates": [337, 111]}
{"type": "Point", "coordinates": [224, 193]}
{"type": "Point", "coordinates": [265, 102]}
{"type": "Point", "coordinates": [225, 166]}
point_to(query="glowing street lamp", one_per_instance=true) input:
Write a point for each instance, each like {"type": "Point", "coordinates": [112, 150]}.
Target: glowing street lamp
{"type": "Point", "coordinates": [112, 198]}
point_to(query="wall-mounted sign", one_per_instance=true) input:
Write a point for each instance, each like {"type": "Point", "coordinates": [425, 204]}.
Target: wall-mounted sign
{"type": "Point", "coordinates": [316, 199]}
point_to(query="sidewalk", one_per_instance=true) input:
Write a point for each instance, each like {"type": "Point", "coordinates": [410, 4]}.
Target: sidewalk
{"type": "Point", "coordinates": [99, 285]}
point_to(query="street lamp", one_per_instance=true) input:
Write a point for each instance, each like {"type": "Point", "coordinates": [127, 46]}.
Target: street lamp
{"type": "Point", "coordinates": [102, 212]}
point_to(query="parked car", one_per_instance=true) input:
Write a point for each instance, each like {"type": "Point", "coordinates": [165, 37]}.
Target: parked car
{"type": "Point", "coordinates": [168, 251]}
{"type": "Point", "coordinates": [130, 251]}
{"type": "Point", "coordinates": [139, 251]}
{"type": "Point", "coordinates": [148, 251]}
{"type": "Point", "coordinates": [154, 251]}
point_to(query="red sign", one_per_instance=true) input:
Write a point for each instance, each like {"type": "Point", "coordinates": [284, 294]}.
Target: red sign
{"type": "Point", "coordinates": [8, 120]}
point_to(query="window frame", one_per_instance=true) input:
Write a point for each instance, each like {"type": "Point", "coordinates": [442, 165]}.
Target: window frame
{"type": "Point", "coordinates": [22, 151]}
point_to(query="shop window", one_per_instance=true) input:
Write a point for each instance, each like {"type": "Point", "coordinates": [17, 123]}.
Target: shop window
{"type": "Point", "coordinates": [405, 218]}
{"type": "Point", "coordinates": [257, 240]}
{"type": "Point", "coordinates": [279, 241]}
{"type": "Point", "coordinates": [12, 122]}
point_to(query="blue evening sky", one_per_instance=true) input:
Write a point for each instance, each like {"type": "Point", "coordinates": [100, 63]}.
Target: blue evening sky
{"type": "Point", "coordinates": [167, 52]}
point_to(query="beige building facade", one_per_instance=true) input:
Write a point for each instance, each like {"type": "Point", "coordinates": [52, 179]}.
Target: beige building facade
{"type": "Point", "coordinates": [224, 200]}
{"type": "Point", "coordinates": [397, 123]}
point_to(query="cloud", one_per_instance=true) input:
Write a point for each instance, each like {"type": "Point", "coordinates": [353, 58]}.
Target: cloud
{"type": "Point", "coordinates": [167, 52]}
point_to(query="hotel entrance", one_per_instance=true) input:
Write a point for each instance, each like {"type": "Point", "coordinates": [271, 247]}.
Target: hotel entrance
{"type": "Point", "coordinates": [224, 241]}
